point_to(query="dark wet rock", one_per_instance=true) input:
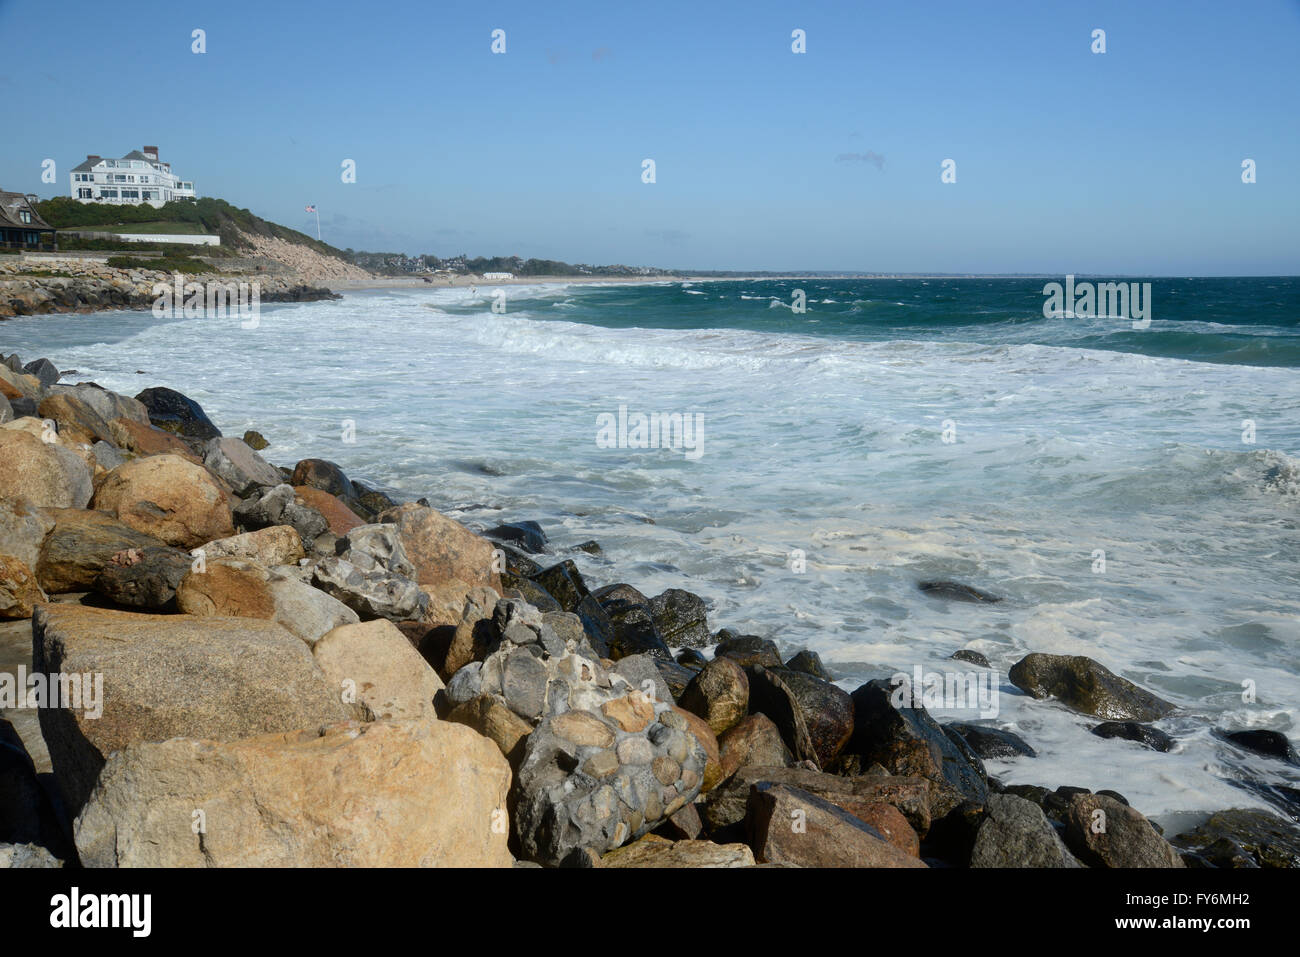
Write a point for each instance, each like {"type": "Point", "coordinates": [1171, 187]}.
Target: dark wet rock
{"type": "Point", "coordinates": [370, 502]}
{"type": "Point", "coordinates": [1153, 738]}
{"type": "Point", "coordinates": [682, 618]}
{"type": "Point", "coordinates": [323, 475]}
{"type": "Point", "coordinates": [956, 591]}
{"type": "Point", "coordinates": [1015, 833]}
{"type": "Point", "coordinates": [527, 536]}
{"type": "Point", "coordinates": [516, 563]}
{"type": "Point", "coordinates": [596, 624]}
{"type": "Point", "coordinates": [692, 659]}
{"type": "Point", "coordinates": [22, 407]}
{"type": "Point", "coordinates": [620, 592]}
{"type": "Point", "coordinates": [1271, 744]}
{"type": "Point", "coordinates": [531, 592]}
{"type": "Point", "coordinates": [747, 649]}
{"type": "Point", "coordinates": [591, 548]}
{"type": "Point", "coordinates": [1104, 833]}
{"type": "Point", "coordinates": [1087, 686]}
{"type": "Point", "coordinates": [256, 440]}
{"type": "Point", "coordinates": [48, 373]}
{"type": "Point", "coordinates": [723, 809]}
{"type": "Point", "coordinates": [810, 663]}
{"type": "Point", "coordinates": [1116, 796]}
{"type": "Point", "coordinates": [177, 413]}
{"type": "Point", "coordinates": [719, 694]}
{"type": "Point", "coordinates": [908, 741]}
{"type": "Point", "coordinates": [974, 657]}
{"type": "Point", "coordinates": [991, 742]}
{"type": "Point", "coordinates": [633, 631]}
{"type": "Point", "coordinates": [675, 676]}
{"type": "Point", "coordinates": [770, 695]}
{"type": "Point", "coordinates": [1243, 837]}
{"type": "Point", "coordinates": [144, 577]}
{"type": "Point", "coordinates": [827, 712]}
{"type": "Point", "coordinates": [564, 583]}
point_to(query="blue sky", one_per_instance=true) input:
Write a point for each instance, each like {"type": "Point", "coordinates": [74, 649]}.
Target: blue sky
{"type": "Point", "coordinates": [1127, 162]}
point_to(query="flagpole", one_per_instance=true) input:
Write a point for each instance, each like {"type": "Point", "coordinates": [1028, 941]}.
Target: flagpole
{"type": "Point", "coordinates": [317, 211]}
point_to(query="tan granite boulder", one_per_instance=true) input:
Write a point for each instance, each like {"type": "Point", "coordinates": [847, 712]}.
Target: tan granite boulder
{"type": "Point", "coordinates": [167, 676]}
{"type": "Point", "coordinates": [167, 497]}
{"type": "Point", "coordinates": [388, 794]}
{"type": "Point", "coordinates": [45, 473]}
{"type": "Point", "coordinates": [374, 661]}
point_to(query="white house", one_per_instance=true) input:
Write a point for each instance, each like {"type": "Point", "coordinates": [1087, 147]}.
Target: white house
{"type": "Point", "coordinates": [498, 275]}
{"type": "Point", "coordinates": [138, 177]}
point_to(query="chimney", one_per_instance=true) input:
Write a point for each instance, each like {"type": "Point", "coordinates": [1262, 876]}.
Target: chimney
{"type": "Point", "coordinates": [92, 156]}
{"type": "Point", "coordinates": [151, 152]}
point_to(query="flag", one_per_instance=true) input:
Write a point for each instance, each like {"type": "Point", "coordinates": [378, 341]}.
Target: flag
{"type": "Point", "coordinates": [312, 208]}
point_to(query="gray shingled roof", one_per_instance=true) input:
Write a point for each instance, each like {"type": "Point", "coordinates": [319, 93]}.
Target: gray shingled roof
{"type": "Point", "coordinates": [11, 204]}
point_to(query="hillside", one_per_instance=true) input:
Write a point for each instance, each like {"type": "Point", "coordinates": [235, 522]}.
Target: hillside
{"type": "Point", "coordinates": [242, 232]}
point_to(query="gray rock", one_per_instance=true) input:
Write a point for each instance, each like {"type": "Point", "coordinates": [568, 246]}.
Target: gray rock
{"type": "Point", "coordinates": [747, 649]}
{"type": "Point", "coordinates": [376, 548]}
{"type": "Point", "coordinates": [974, 657]}
{"type": "Point", "coordinates": [956, 591]}
{"type": "Point", "coordinates": [43, 369]}
{"type": "Point", "coordinates": [641, 673]}
{"type": "Point", "coordinates": [276, 506]}
{"type": "Point", "coordinates": [524, 684]}
{"type": "Point", "coordinates": [1144, 734]}
{"type": "Point", "coordinates": [241, 468]}
{"type": "Point", "coordinates": [990, 742]}
{"type": "Point", "coordinates": [26, 855]}
{"type": "Point", "coordinates": [466, 684]}
{"type": "Point", "coordinates": [1015, 833]}
{"type": "Point", "coordinates": [1102, 832]}
{"type": "Point", "coordinates": [376, 594]}
{"type": "Point", "coordinates": [6, 411]}
{"type": "Point", "coordinates": [109, 456]}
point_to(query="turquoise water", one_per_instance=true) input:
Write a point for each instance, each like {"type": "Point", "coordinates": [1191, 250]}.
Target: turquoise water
{"type": "Point", "coordinates": [824, 433]}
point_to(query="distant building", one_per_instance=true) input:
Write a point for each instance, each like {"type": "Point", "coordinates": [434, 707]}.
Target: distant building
{"type": "Point", "coordinates": [498, 275]}
{"type": "Point", "coordinates": [21, 227]}
{"type": "Point", "coordinates": [138, 177]}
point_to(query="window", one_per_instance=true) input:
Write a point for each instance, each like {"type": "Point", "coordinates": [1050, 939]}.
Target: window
{"type": "Point", "coordinates": [130, 194]}
{"type": "Point", "coordinates": [83, 193]}
{"type": "Point", "coordinates": [108, 194]}
{"type": "Point", "coordinates": [24, 216]}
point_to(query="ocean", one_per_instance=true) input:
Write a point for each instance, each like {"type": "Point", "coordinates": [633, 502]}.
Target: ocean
{"type": "Point", "coordinates": [1132, 493]}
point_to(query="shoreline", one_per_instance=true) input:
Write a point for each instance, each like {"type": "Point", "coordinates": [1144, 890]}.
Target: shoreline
{"type": "Point", "coordinates": [490, 630]}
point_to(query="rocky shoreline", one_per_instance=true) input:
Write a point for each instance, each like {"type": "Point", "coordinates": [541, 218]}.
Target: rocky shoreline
{"type": "Point", "coordinates": [258, 649]}
{"type": "Point", "coordinates": [27, 288]}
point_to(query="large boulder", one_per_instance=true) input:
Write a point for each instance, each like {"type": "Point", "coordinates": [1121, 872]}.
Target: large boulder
{"type": "Point", "coordinates": [1102, 832]}
{"type": "Point", "coordinates": [1086, 686]}
{"type": "Point", "coordinates": [770, 695]}
{"type": "Point", "coordinates": [19, 591]}
{"type": "Point", "coordinates": [304, 799]}
{"type": "Point", "coordinates": [323, 475]}
{"type": "Point", "coordinates": [81, 543]}
{"type": "Point", "coordinates": [1242, 837]}
{"type": "Point", "coordinates": [719, 694]}
{"type": "Point", "coordinates": [682, 618]}
{"type": "Point", "coordinates": [990, 742]}
{"type": "Point", "coordinates": [655, 852]}
{"type": "Point", "coordinates": [166, 676]}
{"type": "Point", "coordinates": [76, 419]}
{"type": "Point", "coordinates": [173, 412]}
{"type": "Point", "coordinates": [239, 466]}
{"type": "Point", "coordinates": [270, 546]}
{"type": "Point", "coordinates": [490, 716]}
{"type": "Point", "coordinates": [167, 497]}
{"type": "Point", "coordinates": [341, 518]}
{"type": "Point", "coordinates": [387, 675]}
{"type": "Point", "coordinates": [442, 550]}
{"type": "Point", "coordinates": [235, 588]}
{"type": "Point", "coordinates": [45, 473]}
{"type": "Point", "coordinates": [371, 594]}
{"type": "Point", "coordinates": [747, 650]}
{"type": "Point", "coordinates": [144, 577]}
{"type": "Point", "coordinates": [790, 826]}
{"type": "Point", "coordinates": [107, 405]}
{"type": "Point", "coordinates": [23, 527]}
{"type": "Point", "coordinates": [267, 507]}
{"type": "Point", "coordinates": [724, 808]}
{"type": "Point", "coordinates": [908, 741]}
{"type": "Point", "coordinates": [1015, 833]}
{"type": "Point", "coordinates": [145, 439]}
{"type": "Point", "coordinates": [1144, 734]}
{"type": "Point", "coordinates": [753, 742]}
{"type": "Point", "coordinates": [827, 712]}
